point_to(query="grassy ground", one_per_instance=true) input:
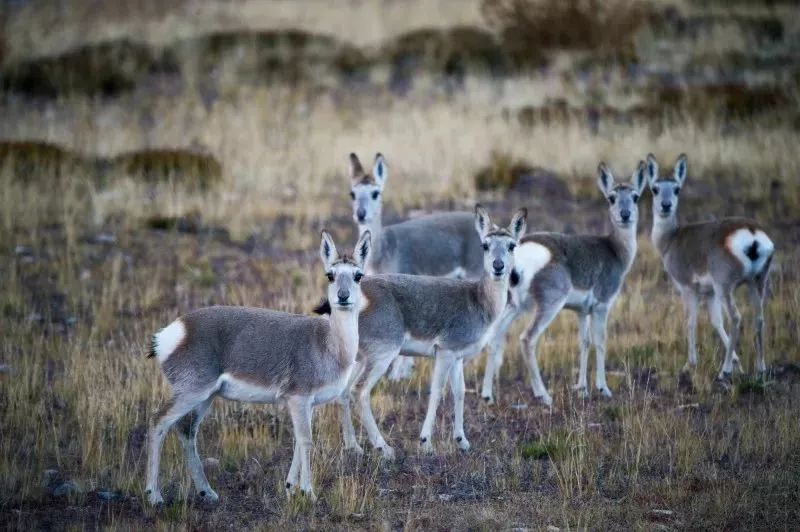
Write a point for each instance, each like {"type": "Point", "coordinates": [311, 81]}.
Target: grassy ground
{"type": "Point", "coordinates": [97, 252]}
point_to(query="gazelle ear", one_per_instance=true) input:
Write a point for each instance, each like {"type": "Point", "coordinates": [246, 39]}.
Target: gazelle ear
{"type": "Point", "coordinates": [519, 223]}
{"type": "Point", "coordinates": [652, 169]}
{"type": "Point", "coordinates": [327, 250]}
{"type": "Point", "coordinates": [680, 169]}
{"type": "Point", "coordinates": [379, 169]}
{"type": "Point", "coordinates": [482, 221]}
{"type": "Point", "coordinates": [363, 249]}
{"type": "Point", "coordinates": [638, 178]}
{"type": "Point", "coordinates": [356, 170]}
{"type": "Point", "coordinates": [605, 180]}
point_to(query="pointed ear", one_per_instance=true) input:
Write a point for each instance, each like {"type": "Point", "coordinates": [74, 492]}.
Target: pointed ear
{"type": "Point", "coordinates": [652, 168]}
{"type": "Point", "coordinates": [519, 223]}
{"type": "Point", "coordinates": [482, 221]}
{"type": "Point", "coordinates": [363, 249]}
{"type": "Point", "coordinates": [327, 250]}
{"type": "Point", "coordinates": [379, 169]}
{"type": "Point", "coordinates": [680, 169]}
{"type": "Point", "coordinates": [639, 179]}
{"type": "Point", "coordinates": [605, 180]}
{"type": "Point", "coordinates": [356, 170]}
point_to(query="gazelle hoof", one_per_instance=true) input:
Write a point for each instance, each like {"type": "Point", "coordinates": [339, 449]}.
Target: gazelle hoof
{"type": "Point", "coordinates": [387, 453]}
{"type": "Point", "coordinates": [426, 445]}
{"type": "Point", "coordinates": [582, 391]}
{"type": "Point", "coordinates": [155, 498]}
{"type": "Point", "coordinates": [545, 399]}
{"type": "Point", "coordinates": [688, 368]}
{"type": "Point", "coordinates": [605, 392]}
{"type": "Point", "coordinates": [462, 443]}
{"type": "Point", "coordinates": [208, 495]}
{"type": "Point", "coordinates": [309, 494]}
{"type": "Point", "coordinates": [355, 449]}
{"type": "Point", "coordinates": [488, 399]}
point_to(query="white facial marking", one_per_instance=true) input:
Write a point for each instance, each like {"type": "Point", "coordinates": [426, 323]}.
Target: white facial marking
{"type": "Point", "coordinates": [167, 339]}
{"type": "Point", "coordinates": [529, 258]}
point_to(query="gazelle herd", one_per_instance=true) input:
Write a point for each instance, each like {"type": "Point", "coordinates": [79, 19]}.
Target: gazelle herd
{"type": "Point", "coordinates": [446, 286]}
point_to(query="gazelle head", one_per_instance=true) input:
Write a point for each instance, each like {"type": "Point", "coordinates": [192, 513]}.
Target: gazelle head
{"type": "Point", "coordinates": [499, 243]}
{"type": "Point", "coordinates": [366, 189]}
{"type": "Point", "coordinates": [623, 198]}
{"type": "Point", "coordinates": [344, 273]}
{"type": "Point", "coordinates": [666, 189]}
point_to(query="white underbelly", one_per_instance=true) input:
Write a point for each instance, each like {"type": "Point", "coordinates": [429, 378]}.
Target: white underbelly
{"type": "Point", "coordinates": [583, 300]}
{"type": "Point", "coordinates": [248, 391]}
{"type": "Point", "coordinates": [334, 389]}
{"type": "Point", "coordinates": [421, 347]}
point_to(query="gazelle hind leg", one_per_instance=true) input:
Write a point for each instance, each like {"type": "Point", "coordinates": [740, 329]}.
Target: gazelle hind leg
{"type": "Point", "coordinates": [717, 321]}
{"type": "Point", "coordinates": [458, 388]}
{"type": "Point", "coordinates": [736, 325]}
{"type": "Point", "coordinates": [584, 342]}
{"type": "Point", "coordinates": [758, 295]}
{"type": "Point", "coordinates": [401, 369]}
{"type": "Point", "coordinates": [187, 432]}
{"type": "Point", "coordinates": [544, 314]}
{"type": "Point", "coordinates": [495, 357]}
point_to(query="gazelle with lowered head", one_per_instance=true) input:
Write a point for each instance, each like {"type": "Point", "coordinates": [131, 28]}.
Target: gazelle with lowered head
{"type": "Point", "coordinates": [709, 260]}
{"type": "Point", "coordinates": [259, 356]}
{"type": "Point", "coordinates": [449, 319]}
{"type": "Point", "coordinates": [436, 244]}
{"type": "Point", "coordinates": [583, 273]}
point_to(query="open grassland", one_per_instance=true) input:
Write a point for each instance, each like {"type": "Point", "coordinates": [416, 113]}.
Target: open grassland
{"type": "Point", "coordinates": [125, 205]}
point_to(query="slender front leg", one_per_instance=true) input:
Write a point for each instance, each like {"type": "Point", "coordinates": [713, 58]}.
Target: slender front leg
{"type": "Point", "coordinates": [458, 388]}
{"type": "Point", "coordinates": [443, 361]}
{"type": "Point", "coordinates": [300, 409]}
{"type": "Point", "coordinates": [690, 304]}
{"type": "Point", "coordinates": [377, 368]}
{"type": "Point", "coordinates": [187, 432]}
{"type": "Point", "coordinates": [546, 311]}
{"type": "Point", "coordinates": [402, 368]}
{"type": "Point", "coordinates": [599, 324]}
{"type": "Point", "coordinates": [348, 432]}
{"type": "Point", "coordinates": [584, 342]}
{"type": "Point", "coordinates": [293, 478]}
{"type": "Point", "coordinates": [736, 324]}
{"type": "Point", "coordinates": [496, 347]}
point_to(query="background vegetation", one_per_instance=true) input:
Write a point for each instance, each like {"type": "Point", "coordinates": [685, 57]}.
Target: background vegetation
{"type": "Point", "coordinates": [153, 160]}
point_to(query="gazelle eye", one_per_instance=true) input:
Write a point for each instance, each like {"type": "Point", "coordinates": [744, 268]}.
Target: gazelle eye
{"type": "Point", "coordinates": [612, 199]}
{"type": "Point", "coordinates": [352, 195]}
{"type": "Point", "coordinates": [511, 246]}
{"type": "Point", "coordinates": [375, 194]}
{"type": "Point", "coordinates": [330, 277]}
{"type": "Point", "coordinates": [485, 246]}
{"type": "Point", "coordinates": [677, 190]}
{"type": "Point", "coordinates": [357, 277]}
{"type": "Point", "coordinates": [635, 198]}
{"type": "Point", "coordinates": [655, 191]}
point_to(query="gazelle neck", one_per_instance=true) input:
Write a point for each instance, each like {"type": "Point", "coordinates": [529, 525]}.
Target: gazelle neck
{"type": "Point", "coordinates": [494, 292]}
{"type": "Point", "coordinates": [664, 230]}
{"type": "Point", "coordinates": [624, 240]}
{"type": "Point", "coordinates": [344, 333]}
{"type": "Point", "coordinates": [375, 227]}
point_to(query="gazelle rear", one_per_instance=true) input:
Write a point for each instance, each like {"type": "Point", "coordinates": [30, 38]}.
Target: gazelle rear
{"type": "Point", "coordinates": [708, 261]}
{"type": "Point", "coordinates": [260, 356]}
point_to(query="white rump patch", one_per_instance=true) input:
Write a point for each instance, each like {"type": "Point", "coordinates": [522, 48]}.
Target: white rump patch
{"type": "Point", "coordinates": [458, 273]}
{"type": "Point", "coordinates": [741, 240]}
{"type": "Point", "coordinates": [529, 258]}
{"type": "Point", "coordinates": [167, 339]}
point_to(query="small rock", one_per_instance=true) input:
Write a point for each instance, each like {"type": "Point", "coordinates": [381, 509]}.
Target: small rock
{"type": "Point", "coordinates": [211, 462]}
{"type": "Point", "coordinates": [661, 512]}
{"type": "Point", "coordinates": [109, 495]}
{"type": "Point", "coordinates": [67, 488]}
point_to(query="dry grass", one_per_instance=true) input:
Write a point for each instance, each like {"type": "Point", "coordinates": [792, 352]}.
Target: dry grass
{"type": "Point", "coordinates": [96, 256]}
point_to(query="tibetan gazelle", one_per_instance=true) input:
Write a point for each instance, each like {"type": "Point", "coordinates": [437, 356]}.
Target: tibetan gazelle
{"type": "Point", "coordinates": [259, 356]}
{"type": "Point", "coordinates": [583, 273]}
{"type": "Point", "coordinates": [708, 261]}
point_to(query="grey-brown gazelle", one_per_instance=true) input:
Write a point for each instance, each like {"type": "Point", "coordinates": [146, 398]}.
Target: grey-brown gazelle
{"type": "Point", "coordinates": [583, 273]}
{"type": "Point", "coordinates": [436, 244]}
{"type": "Point", "coordinates": [449, 319]}
{"type": "Point", "coordinates": [708, 261]}
{"type": "Point", "coordinates": [259, 356]}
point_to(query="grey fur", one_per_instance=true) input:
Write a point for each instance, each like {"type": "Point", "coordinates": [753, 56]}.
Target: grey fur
{"type": "Point", "coordinates": [449, 319]}
{"type": "Point", "coordinates": [700, 259]}
{"type": "Point", "coordinates": [258, 355]}
{"type": "Point", "coordinates": [583, 273]}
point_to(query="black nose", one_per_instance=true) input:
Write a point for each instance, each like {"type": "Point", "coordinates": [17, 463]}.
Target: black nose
{"type": "Point", "coordinates": [344, 295]}
{"type": "Point", "coordinates": [666, 205]}
{"type": "Point", "coordinates": [625, 215]}
{"type": "Point", "coordinates": [361, 213]}
{"type": "Point", "coordinates": [498, 265]}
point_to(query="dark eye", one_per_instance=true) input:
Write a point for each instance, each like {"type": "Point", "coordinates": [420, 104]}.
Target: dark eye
{"type": "Point", "coordinates": [357, 277]}
{"type": "Point", "coordinates": [485, 246]}
{"type": "Point", "coordinates": [375, 194]}
{"type": "Point", "coordinates": [612, 199]}
{"type": "Point", "coordinates": [677, 190]}
{"type": "Point", "coordinates": [511, 246]}
{"type": "Point", "coordinates": [352, 195]}
{"type": "Point", "coordinates": [330, 277]}
{"type": "Point", "coordinates": [636, 198]}
{"type": "Point", "coordinates": [655, 191]}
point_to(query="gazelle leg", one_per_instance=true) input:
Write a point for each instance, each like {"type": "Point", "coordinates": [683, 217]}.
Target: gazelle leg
{"type": "Point", "coordinates": [690, 305]}
{"type": "Point", "coordinates": [736, 324]}
{"type": "Point", "coordinates": [758, 295]}
{"type": "Point", "coordinates": [599, 326]}
{"type": "Point", "coordinates": [300, 410]}
{"type": "Point", "coordinates": [167, 416]}
{"type": "Point", "coordinates": [718, 322]}
{"type": "Point", "coordinates": [402, 368]}
{"type": "Point", "coordinates": [584, 340]}
{"type": "Point", "coordinates": [495, 357]}
{"type": "Point", "coordinates": [348, 432]}
{"type": "Point", "coordinates": [187, 432]}
{"type": "Point", "coordinates": [458, 388]}
{"type": "Point", "coordinates": [377, 368]}
{"type": "Point", "coordinates": [545, 313]}
{"type": "Point", "coordinates": [293, 478]}
{"type": "Point", "coordinates": [443, 361]}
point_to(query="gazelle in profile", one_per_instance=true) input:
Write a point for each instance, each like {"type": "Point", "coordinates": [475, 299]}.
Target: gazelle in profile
{"type": "Point", "coordinates": [436, 244]}
{"type": "Point", "coordinates": [708, 261]}
{"type": "Point", "coordinates": [583, 273]}
{"type": "Point", "coordinates": [259, 356]}
{"type": "Point", "coordinates": [449, 319]}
